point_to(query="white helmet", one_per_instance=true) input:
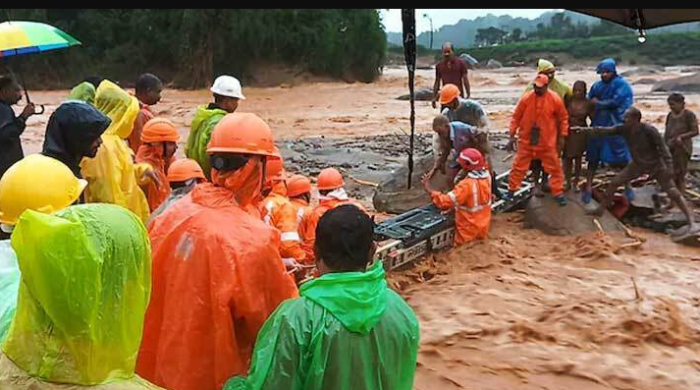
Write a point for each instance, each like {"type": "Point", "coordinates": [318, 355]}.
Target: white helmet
{"type": "Point", "coordinates": [228, 86]}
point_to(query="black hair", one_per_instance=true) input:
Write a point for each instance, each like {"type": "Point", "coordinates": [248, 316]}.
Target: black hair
{"type": "Point", "coordinates": [580, 82]}
{"type": "Point", "coordinates": [325, 192]}
{"type": "Point", "coordinates": [345, 239]}
{"type": "Point", "coordinates": [218, 98]}
{"type": "Point", "coordinates": [94, 80]}
{"type": "Point", "coordinates": [676, 97]}
{"type": "Point", "coordinates": [147, 82]}
{"type": "Point", "coordinates": [6, 81]}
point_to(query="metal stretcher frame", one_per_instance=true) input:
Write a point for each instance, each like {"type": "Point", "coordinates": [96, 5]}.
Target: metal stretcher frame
{"type": "Point", "coordinates": [412, 235]}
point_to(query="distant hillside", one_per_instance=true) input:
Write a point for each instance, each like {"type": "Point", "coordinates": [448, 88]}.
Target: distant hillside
{"type": "Point", "coordinates": [661, 49]}
{"type": "Point", "coordinates": [462, 33]}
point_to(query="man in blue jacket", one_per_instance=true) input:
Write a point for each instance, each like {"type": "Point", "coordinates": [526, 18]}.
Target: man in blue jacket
{"type": "Point", "coordinates": [612, 96]}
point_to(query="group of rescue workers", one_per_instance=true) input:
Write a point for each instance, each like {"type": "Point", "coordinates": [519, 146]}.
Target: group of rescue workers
{"type": "Point", "coordinates": [205, 297]}
{"type": "Point", "coordinates": [551, 123]}
{"type": "Point", "coordinates": [127, 268]}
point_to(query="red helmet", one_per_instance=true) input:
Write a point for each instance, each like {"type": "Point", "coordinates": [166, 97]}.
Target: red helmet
{"type": "Point", "coordinates": [471, 159]}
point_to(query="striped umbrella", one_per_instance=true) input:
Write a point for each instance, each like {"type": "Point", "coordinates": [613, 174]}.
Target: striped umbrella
{"type": "Point", "coordinates": [19, 38]}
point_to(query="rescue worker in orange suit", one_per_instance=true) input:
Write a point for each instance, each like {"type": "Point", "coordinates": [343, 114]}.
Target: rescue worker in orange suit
{"type": "Point", "coordinates": [542, 124]}
{"type": "Point", "coordinates": [159, 139]}
{"type": "Point", "coordinates": [277, 211]}
{"type": "Point", "coordinates": [470, 198]}
{"type": "Point", "coordinates": [217, 271]}
{"type": "Point", "coordinates": [331, 189]}
{"type": "Point", "coordinates": [299, 193]}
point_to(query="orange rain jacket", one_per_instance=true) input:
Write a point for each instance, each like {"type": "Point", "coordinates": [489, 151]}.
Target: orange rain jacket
{"type": "Point", "coordinates": [145, 114]}
{"type": "Point", "coordinates": [324, 205]}
{"type": "Point", "coordinates": [303, 213]}
{"type": "Point", "coordinates": [471, 199]}
{"type": "Point", "coordinates": [153, 156]}
{"type": "Point", "coordinates": [217, 276]}
{"type": "Point", "coordinates": [549, 114]}
{"type": "Point", "coordinates": [277, 211]}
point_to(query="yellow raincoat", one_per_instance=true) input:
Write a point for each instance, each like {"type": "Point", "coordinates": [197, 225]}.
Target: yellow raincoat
{"type": "Point", "coordinates": [112, 174]}
{"type": "Point", "coordinates": [85, 286]}
{"type": "Point", "coordinates": [562, 89]}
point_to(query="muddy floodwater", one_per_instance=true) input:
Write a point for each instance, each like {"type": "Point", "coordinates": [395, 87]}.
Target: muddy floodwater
{"type": "Point", "coordinates": [521, 310]}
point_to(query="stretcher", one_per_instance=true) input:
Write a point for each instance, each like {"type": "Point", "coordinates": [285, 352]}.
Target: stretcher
{"type": "Point", "coordinates": [410, 236]}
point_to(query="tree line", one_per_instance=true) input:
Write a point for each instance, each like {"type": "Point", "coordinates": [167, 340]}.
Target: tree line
{"type": "Point", "coordinates": [189, 47]}
{"type": "Point", "coordinates": [560, 26]}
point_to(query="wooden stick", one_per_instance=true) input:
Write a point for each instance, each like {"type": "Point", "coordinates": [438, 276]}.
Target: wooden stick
{"type": "Point", "coordinates": [508, 157]}
{"type": "Point", "coordinates": [691, 192]}
{"type": "Point", "coordinates": [364, 182]}
{"type": "Point", "coordinates": [637, 295]}
{"type": "Point", "coordinates": [598, 225]}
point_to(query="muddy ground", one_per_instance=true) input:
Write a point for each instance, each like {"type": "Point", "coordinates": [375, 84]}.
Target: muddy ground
{"type": "Point", "coordinates": [521, 310]}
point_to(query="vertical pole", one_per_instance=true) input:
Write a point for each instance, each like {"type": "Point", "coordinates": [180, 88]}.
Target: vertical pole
{"type": "Point", "coordinates": [408, 17]}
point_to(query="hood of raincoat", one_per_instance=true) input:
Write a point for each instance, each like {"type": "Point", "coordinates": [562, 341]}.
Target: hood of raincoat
{"type": "Point", "coordinates": [607, 65]}
{"type": "Point", "coordinates": [119, 106]}
{"type": "Point", "coordinates": [84, 92]}
{"type": "Point", "coordinates": [86, 276]}
{"type": "Point", "coordinates": [201, 128]}
{"type": "Point", "coordinates": [72, 128]}
{"type": "Point", "coordinates": [544, 66]}
{"type": "Point", "coordinates": [356, 299]}
{"type": "Point", "coordinates": [244, 183]}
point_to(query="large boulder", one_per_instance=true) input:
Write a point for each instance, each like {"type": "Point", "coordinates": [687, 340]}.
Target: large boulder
{"type": "Point", "coordinates": [493, 64]}
{"type": "Point", "coordinates": [424, 94]}
{"type": "Point", "coordinates": [392, 196]}
{"type": "Point", "coordinates": [546, 215]}
{"type": "Point", "coordinates": [679, 84]}
{"type": "Point", "coordinates": [469, 60]}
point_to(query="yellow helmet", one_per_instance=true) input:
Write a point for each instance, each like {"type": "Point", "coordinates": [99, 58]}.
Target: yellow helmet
{"type": "Point", "coordinates": [37, 183]}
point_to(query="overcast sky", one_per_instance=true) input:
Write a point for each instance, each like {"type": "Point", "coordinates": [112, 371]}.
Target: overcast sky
{"type": "Point", "coordinates": [441, 17]}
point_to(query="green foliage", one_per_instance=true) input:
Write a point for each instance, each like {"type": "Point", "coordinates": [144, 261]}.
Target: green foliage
{"type": "Point", "coordinates": [192, 46]}
{"type": "Point", "coordinates": [662, 49]}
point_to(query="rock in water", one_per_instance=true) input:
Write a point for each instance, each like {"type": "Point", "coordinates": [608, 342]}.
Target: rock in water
{"type": "Point", "coordinates": [393, 196]}
{"type": "Point", "coordinates": [546, 215]}
{"type": "Point", "coordinates": [469, 60]}
{"type": "Point", "coordinates": [421, 94]}
{"type": "Point", "coordinates": [493, 64]}
{"type": "Point", "coordinates": [680, 84]}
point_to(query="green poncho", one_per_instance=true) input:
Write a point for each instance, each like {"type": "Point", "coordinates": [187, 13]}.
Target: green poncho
{"type": "Point", "coordinates": [200, 133]}
{"type": "Point", "coordinates": [84, 92]}
{"type": "Point", "coordinates": [348, 331]}
{"type": "Point", "coordinates": [86, 282]}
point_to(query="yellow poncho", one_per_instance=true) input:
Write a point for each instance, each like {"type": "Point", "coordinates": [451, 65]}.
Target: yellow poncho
{"type": "Point", "coordinates": [112, 174]}
{"type": "Point", "coordinates": [86, 283]}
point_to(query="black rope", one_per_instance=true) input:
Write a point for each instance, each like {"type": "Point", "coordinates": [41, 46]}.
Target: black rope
{"type": "Point", "coordinates": [408, 17]}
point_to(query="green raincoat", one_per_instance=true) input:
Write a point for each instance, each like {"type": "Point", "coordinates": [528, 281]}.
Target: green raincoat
{"type": "Point", "coordinates": [84, 92]}
{"type": "Point", "coordinates": [9, 284]}
{"type": "Point", "coordinates": [200, 133]}
{"type": "Point", "coordinates": [85, 286]}
{"type": "Point", "coordinates": [348, 331]}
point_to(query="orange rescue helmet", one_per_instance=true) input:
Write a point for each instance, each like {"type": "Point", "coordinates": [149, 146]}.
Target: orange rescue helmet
{"type": "Point", "coordinates": [298, 185]}
{"type": "Point", "coordinates": [242, 133]}
{"type": "Point", "coordinates": [448, 93]}
{"type": "Point", "coordinates": [185, 169]}
{"type": "Point", "coordinates": [159, 130]}
{"type": "Point", "coordinates": [330, 179]}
